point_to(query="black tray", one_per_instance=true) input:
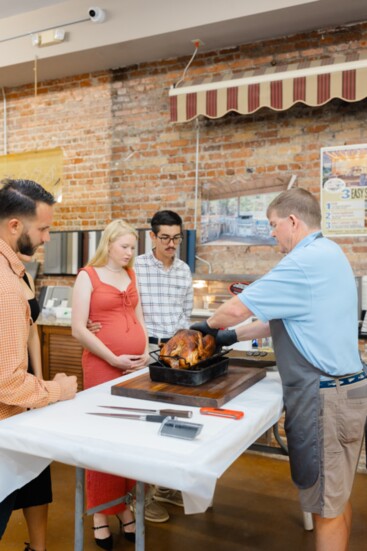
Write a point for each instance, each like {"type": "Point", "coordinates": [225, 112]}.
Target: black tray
{"type": "Point", "coordinates": [187, 377]}
{"type": "Point", "coordinates": [218, 354]}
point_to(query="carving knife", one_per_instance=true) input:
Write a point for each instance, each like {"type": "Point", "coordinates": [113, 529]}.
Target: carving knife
{"type": "Point", "coordinates": [150, 418]}
{"type": "Point", "coordinates": [165, 412]}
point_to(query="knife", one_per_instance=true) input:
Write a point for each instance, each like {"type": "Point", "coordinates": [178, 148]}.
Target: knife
{"type": "Point", "coordinates": [151, 418]}
{"type": "Point", "coordinates": [165, 412]}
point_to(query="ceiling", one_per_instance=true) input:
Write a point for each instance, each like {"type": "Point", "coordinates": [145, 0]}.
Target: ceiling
{"type": "Point", "coordinates": [136, 31]}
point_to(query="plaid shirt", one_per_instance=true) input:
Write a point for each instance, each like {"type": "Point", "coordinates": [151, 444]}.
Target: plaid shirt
{"type": "Point", "coordinates": [166, 295]}
{"type": "Point", "coordinates": [19, 390]}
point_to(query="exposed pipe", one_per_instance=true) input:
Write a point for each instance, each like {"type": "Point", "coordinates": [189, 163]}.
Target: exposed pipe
{"type": "Point", "coordinates": [205, 262]}
{"type": "Point", "coordinates": [5, 123]}
{"type": "Point", "coordinates": [129, 156]}
{"type": "Point", "coordinates": [68, 23]}
{"type": "Point", "coordinates": [292, 181]}
{"type": "Point", "coordinates": [196, 173]}
{"type": "Point", "coordinates": [187, 66]}
{"type": "Point", "coordinates": [35, 69]}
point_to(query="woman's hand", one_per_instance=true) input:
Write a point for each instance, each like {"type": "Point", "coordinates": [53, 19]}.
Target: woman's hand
{"type": "Point", "coordinates": [93, 326]}
{"type": "Point", "coordinates": [130, 363]}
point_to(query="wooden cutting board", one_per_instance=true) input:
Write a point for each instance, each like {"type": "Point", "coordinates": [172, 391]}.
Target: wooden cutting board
{"type": "Point", "coordinates": [214, 393]}
{"type": "Point", "coordinates": [245, 358]}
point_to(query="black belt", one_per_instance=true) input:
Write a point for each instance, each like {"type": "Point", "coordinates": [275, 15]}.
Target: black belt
{"type": "Point", "coordinates": [346, 380]}
{"type": "Point", "coordinates": [156, 340]}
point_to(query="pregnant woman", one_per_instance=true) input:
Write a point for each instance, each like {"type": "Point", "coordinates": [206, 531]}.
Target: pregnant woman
{"type": "Point", "coordinates": [105, 291]}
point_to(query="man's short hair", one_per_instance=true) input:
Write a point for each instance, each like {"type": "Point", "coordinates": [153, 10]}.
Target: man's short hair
{"type": "Point", "coordinates": [20, 198]}
{"type": "Point", "coordinates": [165, 218]}
{"type": "Point", "coordinates": [299, 202]}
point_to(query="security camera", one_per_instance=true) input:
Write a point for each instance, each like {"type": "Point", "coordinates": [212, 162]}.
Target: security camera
{"type": "Point", "coordinates": [97, 15]}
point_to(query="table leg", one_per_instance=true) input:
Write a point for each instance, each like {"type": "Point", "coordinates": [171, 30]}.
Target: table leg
{"type": "Point", "coordinates": [139, 516]}
{"type": "Point", "coordinates": [79, 510]}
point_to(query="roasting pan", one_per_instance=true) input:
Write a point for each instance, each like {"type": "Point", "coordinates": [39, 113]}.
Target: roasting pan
{"type": "Point", "coordinates": [196, 375]}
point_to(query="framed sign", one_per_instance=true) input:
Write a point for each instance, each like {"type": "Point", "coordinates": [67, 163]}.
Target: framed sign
{"type": "Point", "coordinates": [344, 190]}
{"type": "Point", "coordinates": [235, 218]}
{"type": "Point", "coordinates": [44, 167]}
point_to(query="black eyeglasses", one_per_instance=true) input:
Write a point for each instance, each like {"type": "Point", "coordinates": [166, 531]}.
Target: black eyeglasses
{"type": "Point", "coordinates": [166, 239]}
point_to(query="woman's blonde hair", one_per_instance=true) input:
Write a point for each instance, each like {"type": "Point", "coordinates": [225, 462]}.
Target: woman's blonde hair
{"type": "Point", "coordinates": [113, 231]}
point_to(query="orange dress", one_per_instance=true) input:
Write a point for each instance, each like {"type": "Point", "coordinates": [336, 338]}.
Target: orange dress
{"type": "Point", "coordinates": [122, 333]}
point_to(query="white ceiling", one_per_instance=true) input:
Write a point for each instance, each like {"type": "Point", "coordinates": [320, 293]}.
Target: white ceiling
{"type": "Point", "coordinates": [138, 31]}
{"type": "Point", "coordinates": [8, 9]}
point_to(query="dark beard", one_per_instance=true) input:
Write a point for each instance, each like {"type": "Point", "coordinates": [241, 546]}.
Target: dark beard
{"type": "Point", "coordinates": [25, 246]}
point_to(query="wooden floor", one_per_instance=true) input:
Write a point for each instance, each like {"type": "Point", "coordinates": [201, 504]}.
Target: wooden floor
{"type": "Point", "coordinates": [255, 508]}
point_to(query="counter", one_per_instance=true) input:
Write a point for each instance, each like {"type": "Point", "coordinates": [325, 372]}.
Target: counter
{"type": "Point", "coordinates": [59, 322]}
{"type": "Point", "coordinates": [226, 277]}
{"type": "Point", "coordinates": [52, 320]}
{"type": "Point", "coordinates": [201, 313]}
{"type": "Point", "coordinates": [60, 351]}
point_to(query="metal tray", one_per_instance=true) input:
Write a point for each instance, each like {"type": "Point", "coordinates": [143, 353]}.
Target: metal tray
{"type": "Point", "coordinates": [201, 373]}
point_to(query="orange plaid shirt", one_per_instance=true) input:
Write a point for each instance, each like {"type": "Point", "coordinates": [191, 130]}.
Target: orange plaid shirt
{"type": "Point", "coordinates": [19, 390]}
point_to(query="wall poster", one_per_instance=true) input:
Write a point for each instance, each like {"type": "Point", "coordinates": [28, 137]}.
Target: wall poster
{"type": "Point", "coordinates": [344, 190]}
{"type": "Point", "coordinates": [44, 167]}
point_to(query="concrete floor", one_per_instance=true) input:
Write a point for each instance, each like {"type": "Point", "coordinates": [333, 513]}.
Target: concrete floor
{"type": "Point", "coordinates": [255, 509]}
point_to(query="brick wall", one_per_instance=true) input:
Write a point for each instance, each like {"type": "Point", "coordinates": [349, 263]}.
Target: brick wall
{"type": "Point", "coordinates": [74, 114]}
{"type": "Point", "coordinates": [161, 173]}
{"type": "Point", "coordinates": [123, 158]}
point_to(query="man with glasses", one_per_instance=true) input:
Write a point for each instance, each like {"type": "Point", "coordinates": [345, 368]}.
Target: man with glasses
{"type": "Point", "coordinates": [165, 281]}
{"type": "Point", "coordinates": [166, 295]}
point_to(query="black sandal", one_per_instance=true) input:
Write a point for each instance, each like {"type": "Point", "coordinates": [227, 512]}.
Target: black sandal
{"type": "Point", "coordinates": [129, 536]}
{"type": "Point", "coordinates": [105, 543]}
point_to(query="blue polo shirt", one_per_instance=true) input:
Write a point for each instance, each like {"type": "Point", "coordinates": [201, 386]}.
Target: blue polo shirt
{"type": "Point", "coordinates": [313, 291]}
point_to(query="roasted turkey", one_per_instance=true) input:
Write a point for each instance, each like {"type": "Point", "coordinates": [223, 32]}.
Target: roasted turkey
{"type": "Point", "coordinates": [187, 348]}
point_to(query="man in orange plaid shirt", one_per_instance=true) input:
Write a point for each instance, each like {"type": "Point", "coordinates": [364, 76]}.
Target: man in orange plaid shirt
{"type": "Point", "coordinates": [26, 211]}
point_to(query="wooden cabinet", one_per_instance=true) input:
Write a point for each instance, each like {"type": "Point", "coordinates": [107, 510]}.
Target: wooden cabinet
{"type": "Point", "coordinates": [61, 353]}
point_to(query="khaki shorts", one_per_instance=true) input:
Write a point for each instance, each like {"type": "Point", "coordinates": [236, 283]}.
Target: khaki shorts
{"type": "Point", "coordinates": [342, 418]}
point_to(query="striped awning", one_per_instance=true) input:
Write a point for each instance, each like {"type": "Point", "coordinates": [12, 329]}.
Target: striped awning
{"type": "Point", "coordinates": [313, 83]}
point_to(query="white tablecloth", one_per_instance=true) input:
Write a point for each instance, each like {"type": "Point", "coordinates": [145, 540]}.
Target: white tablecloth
{"type": "Point", "coordinates": [134, 449]}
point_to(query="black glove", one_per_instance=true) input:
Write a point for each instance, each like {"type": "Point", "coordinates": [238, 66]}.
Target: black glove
{"type": "Point", "coordinates": [204, 328]}
{"type": "Point", "coordinates": [226, 337]}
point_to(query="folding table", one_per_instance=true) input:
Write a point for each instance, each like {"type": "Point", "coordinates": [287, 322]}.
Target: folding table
{"type": "Point", "coordinates": [64, 432]}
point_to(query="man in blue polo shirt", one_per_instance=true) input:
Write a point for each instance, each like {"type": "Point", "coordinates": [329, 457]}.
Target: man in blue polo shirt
{"type": "Point", "coordinates": [308, 303]}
